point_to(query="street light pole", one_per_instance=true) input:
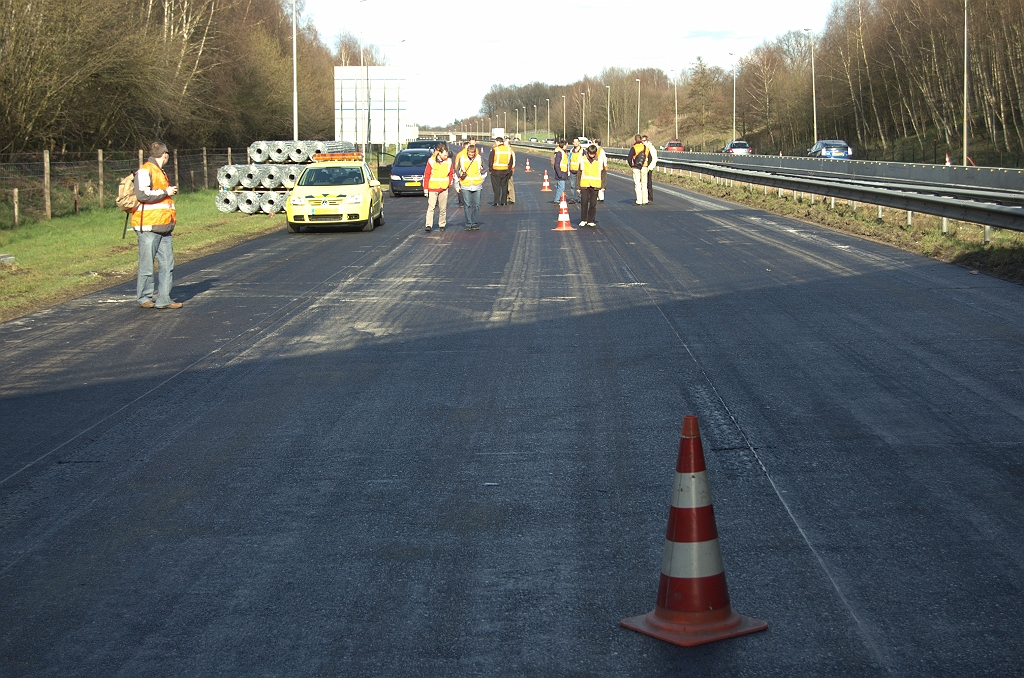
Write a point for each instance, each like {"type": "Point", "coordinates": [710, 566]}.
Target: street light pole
{"type": "Point", "coordinates": [814, 90]}
{"type": "Point", "coordinates": [549, 116]}
{"type": "Point", "coordinates": [563, 116]}
{"type": "Point", "coordinates": [638, 105]}
{"type": "Point", "coordinates": [536, 130]}
{"type": "Point", "coordinates": [517, 121]}
{"type": "Point", "coordinates": [608, 114]}
{"type": "Point", "coordinates": [583, 107]}
{"type": "Point", "coordinates": [732, 54]}
{"type": "Point", "coordinates": [965, 84]}
{"type": "Point", "coordinates": [675, 94]}
{"type": "Point", "coordinates": [295, 80]}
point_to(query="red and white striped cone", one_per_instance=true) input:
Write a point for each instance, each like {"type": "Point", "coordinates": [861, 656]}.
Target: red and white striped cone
{"type": "Point", "coordinates": [693, 601]}
{"type": "Point", "coordinates": [528, 166]}
{"type": "Point", "coordinates": [545, 187]}
{"type": "Point", "coordinates": [563, 217]}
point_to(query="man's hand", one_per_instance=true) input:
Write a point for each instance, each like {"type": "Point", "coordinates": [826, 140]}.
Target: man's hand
{"type": "Point", "coordinates": [172, 190]}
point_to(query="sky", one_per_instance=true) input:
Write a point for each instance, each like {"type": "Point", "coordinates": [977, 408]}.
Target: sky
{"type": "Point", "coordinates": [452, 52]}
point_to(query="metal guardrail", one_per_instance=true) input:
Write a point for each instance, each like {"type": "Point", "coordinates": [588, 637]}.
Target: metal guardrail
{"type": "Point", "coordinates": [975, 205]}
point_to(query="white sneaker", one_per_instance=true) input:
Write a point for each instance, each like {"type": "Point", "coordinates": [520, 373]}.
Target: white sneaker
{"type": "Point", "coordinates": [582, 224]}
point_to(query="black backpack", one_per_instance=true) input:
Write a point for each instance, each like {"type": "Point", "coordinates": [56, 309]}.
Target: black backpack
{"type": "Point", "coordinates": [640, 159]}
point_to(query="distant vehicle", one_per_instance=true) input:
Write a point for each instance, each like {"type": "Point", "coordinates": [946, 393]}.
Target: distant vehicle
{"type": "Point", "coordinates": [549, 141]}
{"type": "Point", "coordinates": [533, 139]}
{"type": "Point", "coordinates": [497, 132]}
{"type": "Point", "coordinates": [335, 192]}
{"type": "Point", "coordinates": [831, 148]}
{"type": "Point", "coordinates": [422, 143]}
{"type": "Point", "coordinates": [407, 171]}
{"type": "Point", "coordinates": [584, 142]}
{"type": "Point", "coordinates": [738, 147]}
{"type": "Point", "coordinates": [673, 146]}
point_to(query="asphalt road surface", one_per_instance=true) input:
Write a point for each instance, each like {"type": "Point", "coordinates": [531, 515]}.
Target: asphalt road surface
{"type": "Point", "coordinates": [408, 454]}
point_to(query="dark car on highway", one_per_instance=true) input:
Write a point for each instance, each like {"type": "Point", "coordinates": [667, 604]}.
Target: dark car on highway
{"type": "Point", "coordinates": [831, 148]}
{"type": "Point", "coordinates": [422, 143]}
{"type": "Point", "coordinates": [407, 171]}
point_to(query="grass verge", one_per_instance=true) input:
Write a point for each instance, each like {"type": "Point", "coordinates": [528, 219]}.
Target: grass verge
{"type": "Point", "coordinates": [963, 245]}
{"type": "Point", "coordinates": [71, 256]}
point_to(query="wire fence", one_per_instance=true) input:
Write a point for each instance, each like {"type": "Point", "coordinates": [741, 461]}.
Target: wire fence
{"type": "Point", "coordinates": [40, 185]}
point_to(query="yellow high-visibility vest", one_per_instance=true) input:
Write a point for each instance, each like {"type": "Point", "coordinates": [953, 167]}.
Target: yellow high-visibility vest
{"type": "Point", "coordinates": [591, 172]}
{"type": "Point", "coordinates": [574, 159]}
{"type": "Point", "coordinates": [439, 172]}
{"type": "Point", "coordinates": [502, 157]}
{"type": "Point", "coordinates": [472, 168]}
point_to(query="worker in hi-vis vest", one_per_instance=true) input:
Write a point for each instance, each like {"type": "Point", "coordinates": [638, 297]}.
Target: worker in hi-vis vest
{"type": "Point", "coordinates": [153, 221]}
{"type": "Point", "coordinates": [436, 179]}
{"type": "Point", "coordinates": [500, 165]}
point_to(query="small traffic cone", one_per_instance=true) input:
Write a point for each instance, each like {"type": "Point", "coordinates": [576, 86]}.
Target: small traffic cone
{"type": "Point", "coordinates": [563, 217]}
{"type": "Point", "coordinates": [692, 607]}
{"type": "Point", "coordinates": [948, 163]}
{"type": "Point", "coordinates": [528, 166]}
{"type": "Point", "coordinates": [545, 187]}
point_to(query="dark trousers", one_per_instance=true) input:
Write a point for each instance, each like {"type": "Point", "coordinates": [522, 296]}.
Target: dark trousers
{"type": "Point", "coordinates": [499, 182]}
{"type": "Point", "coordinates": [588, 203]}
{"type": "Point", "coordinates": [650, 186]}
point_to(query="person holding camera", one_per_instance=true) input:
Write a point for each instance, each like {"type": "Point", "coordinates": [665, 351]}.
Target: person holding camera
{"type": "Point", "coordinates": [470, 173]}
{"type": "Point", "coordinates": [153, 222]}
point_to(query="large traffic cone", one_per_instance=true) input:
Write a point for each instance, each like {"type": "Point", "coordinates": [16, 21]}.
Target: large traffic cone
{"type": "Point", "coordinates": [563, 217]}
{"type": "Point", "coordinates": [528, 166]}
{"type": "Point", "coordinates": [545, 186]}
{"type": "Point", "coordinates": [693, 602]}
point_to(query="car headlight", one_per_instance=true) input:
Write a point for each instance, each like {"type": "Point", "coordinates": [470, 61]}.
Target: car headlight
{"type": "Point", "coordinates": [354, 200]}
{"type": "Point", "coordinates": [297, 201]}
{"type": "Point", "coordinates": [395, 177]}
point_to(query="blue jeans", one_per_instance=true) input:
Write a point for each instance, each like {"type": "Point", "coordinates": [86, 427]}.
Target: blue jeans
{"type": "Point", "coordinates": [471, 205]}
{"type": "Point", "coordinates": [574, 189]}
{"type": "Point", "coordinates": [160, 247]}
{"type": "Point", "coordinates": [559, 189]}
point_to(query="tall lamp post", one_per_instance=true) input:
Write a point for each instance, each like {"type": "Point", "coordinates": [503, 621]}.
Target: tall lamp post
{"type": "Point", "coordinates": [549, 116]}
{"type": "Point", "coordinates": [295, 80]}
{"type": "Point", "coordinates": [965, 85]}
{"type": "Point", "coordinates": [814, 90]}
{"type": "Point", "coordinates": [732, 54]}
{"type": "Point", "coordinates": [563, 116]}
{"type": "Point", "coordinates": [517, 121]}
{"type": "Point", "coordinates": [638, 105]}
{"type": "Point", "coordinates": [524, 119]}
{"type": "Point", "coordinates": [608, 115]}
{"type": "Point", "coordinates": [536, 129]}
{"type": "Point", "coordinates": [675, 95]}
{"type": "Point", "coordinates": [583, 107]}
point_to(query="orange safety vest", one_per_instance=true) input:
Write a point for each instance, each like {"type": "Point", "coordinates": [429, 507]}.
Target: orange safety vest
{"type": "Point", "coordinates": [474, 177]}
{"type": "Point", "coordinates": [637, 150]}
{"type": "Point", "coordinates": [439, 172]}
{"type": "Point", "coordinates": [150, 214]}
{"type": "Point", "coordinates": [591, 172]}
{"type": "Point", "coordinates": [502, 157]}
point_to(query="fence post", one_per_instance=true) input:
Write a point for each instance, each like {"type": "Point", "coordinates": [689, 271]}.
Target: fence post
{"type": "Point", "coordinates": [192, 179]}
{"type": "Point", "coordinates": [74, 188]}
{"type": "Point", "coordinates": [46, 182]}
{"type": "Point", "coordinates": [15, 207]}
{"type": "Point", "coordinates": [206, 172]}
{"type": "Point", "coordinates": [140, 157]}
{"type": "Point", "coordinates": [910, 218]}
{"type": "Point", "coordinates": [176, 182]}
{"type": "Point", "coordinates": [879, 212]}
{"type": "Point", "coordinates": [945, 224]}
{"type": "Point", "coordinates": [99, 158]}
{"type": "Point", "coordinates": [988, 235]}
{"type": "Point", "coordinates": [229, 155]}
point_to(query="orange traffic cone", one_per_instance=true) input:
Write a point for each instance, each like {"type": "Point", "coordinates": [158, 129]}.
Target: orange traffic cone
{"type": "Point", "coordinates": [545, 186]}
{"type": "Point", "coordinates": [692, 607]}
{"type": "Point", "coordinates": [563, 216]}
{"type": "Point", "coordinates": [528, 166]}
{"type": "Point", "coordinates": [948, 163]}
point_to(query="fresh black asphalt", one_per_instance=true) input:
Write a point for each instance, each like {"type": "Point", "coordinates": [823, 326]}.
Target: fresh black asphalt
{"type": "Point", "coordinates": [451, 454]}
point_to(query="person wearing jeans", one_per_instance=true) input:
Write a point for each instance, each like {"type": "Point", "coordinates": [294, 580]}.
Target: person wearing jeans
{"type": "Point", "coordinates": [153, 221]}
{"type": "Point", "coordinates": [560, 164]}
{"type": "Point", "coordinates": [470, 174]}
{"type": "Point", "coordinates": [436, 180]}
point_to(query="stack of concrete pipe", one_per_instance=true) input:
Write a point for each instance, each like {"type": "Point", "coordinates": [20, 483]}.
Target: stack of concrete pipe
{"type": "Point", "coordinates": [275, 166]}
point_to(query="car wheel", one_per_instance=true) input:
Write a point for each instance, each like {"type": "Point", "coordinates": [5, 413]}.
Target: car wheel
{"type": "Point", "coordinates": [392, 192]}
{"type": "Point", "coordinates": [370, 223]}
{"type": "Point", "coordinates": [293, 227]}
{"type": "Point", "coordinates": [380, 217]}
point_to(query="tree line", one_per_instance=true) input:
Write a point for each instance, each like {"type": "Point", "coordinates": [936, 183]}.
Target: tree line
{"type": "Point", "coordinates": [888, 78]}
{"type": "Point", "coordinates": [117, 73]}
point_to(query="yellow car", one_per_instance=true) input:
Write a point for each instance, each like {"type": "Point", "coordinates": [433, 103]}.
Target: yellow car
{"type": "Point", "coordinates": [337, 189]}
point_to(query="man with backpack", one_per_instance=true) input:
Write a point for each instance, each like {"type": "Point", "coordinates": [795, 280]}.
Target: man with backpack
{"type": "Point", "coordinates": [637, 160]}
{"type": "Point", "coordinates": [153, 221]}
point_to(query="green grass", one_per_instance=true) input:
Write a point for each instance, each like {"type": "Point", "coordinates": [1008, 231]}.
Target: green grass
{"type": "Point", "coordinates": [70, 256]}
{"type": "Point", "coordinates": [964, 244]}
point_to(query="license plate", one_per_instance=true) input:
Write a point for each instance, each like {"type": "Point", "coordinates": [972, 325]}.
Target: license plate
{"type": "Point", "coordinates": [414, 183]}
{"type": "Point", "coordinates": [325, 210]}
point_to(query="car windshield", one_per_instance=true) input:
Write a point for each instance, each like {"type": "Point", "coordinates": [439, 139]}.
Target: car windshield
{"type": "Point", "coordinates": [331, 176]}
{"type": "Point", "coordinates": [418, 159]}
{"type": "Point", "coordinates": [740, 144]}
